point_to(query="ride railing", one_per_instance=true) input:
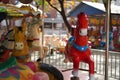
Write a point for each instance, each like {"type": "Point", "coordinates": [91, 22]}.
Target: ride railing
{"type": "Point", "coordinates": [56, 59]}
{"type": "Point", "coordinates": [113, 63]}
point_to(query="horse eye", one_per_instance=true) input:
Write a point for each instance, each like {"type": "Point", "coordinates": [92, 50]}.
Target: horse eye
{"type": "Point", "coordinates": [80, 31]}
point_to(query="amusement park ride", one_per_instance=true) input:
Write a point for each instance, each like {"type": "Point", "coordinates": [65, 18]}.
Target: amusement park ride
{"type": "Point", "coordinates": [15, 63]}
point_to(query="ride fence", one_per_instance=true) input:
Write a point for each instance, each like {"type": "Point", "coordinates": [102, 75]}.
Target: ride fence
{"type": "Point", "coordinates": [56, 59]}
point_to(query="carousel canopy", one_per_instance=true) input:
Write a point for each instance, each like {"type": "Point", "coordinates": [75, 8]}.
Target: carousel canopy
{"type": "Point", "coordinates": [9, 10]}
{"type": "Point", "coordinates": [19, 10]}
{"type": "Point", "coordinates": [92, 8]}
{"type": "Point", "coordinates": [29, 5]}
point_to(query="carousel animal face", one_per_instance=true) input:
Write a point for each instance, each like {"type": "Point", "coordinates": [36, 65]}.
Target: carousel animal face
{"type": "Point", "coordinates": [82, 24]}
{"type": "Point", "coordinates": [21, 49]}
{"type": "Point", "coordinates": [20, 34]}
{"type": "Point", "coordinates": [20, 38]}
{"type": "Point", "coordinates": [34, 35]}
{"type": "Point", "coordinates": [81, 30]}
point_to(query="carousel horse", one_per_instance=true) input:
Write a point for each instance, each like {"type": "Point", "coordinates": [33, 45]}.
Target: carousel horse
{"type": "Point", "coordinates": [33, 37]}
{"type": "Point", "coordinates": [21, 49]}
{"type": "Point", "coordinates": [10, 69]}
{"type": "Point", "coordinates": [78, 51]}
{"type": "Point", "coordinates": [34, 34]}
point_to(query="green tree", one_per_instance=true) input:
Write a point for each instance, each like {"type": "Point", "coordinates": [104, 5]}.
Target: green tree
{"type": "Point", "coordinates": [95, 0]}
{"type": "Point", "coordinates": [39, 4]}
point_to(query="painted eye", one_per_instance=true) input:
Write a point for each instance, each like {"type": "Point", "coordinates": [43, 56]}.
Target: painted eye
{"type": "Point", "coordinates": [80, 31]}
{"type": "Point", "coordinates": [15, 44]}
{"type": "Point", "coordinates": [21, 45]}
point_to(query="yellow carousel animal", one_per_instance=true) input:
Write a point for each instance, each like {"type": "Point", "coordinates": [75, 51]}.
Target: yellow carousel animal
{"type": "Point", "coordinates": [21, 49]}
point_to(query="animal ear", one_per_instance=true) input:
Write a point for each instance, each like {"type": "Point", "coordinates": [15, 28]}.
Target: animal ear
{"type": "Point", "coordinates": [24, 25]}
{"type": "Point", "coordinates": [15, 29]}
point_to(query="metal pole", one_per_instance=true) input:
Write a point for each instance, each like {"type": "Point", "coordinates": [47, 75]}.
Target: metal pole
{"type": "Point", "coordinates": [7, 24]}
{"type": "Point", "coordinates": [43, 21]}
{"type": "Point", "coordinates": [42, 48]}
{"type": "Point", "coordinates": [107, 38]}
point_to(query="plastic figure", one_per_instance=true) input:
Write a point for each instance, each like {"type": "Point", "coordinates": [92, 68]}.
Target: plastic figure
{"type": "Point", "coordinates": [77, 49]}
{"type": "Point", "coordinates": [21, 49]}
{"type": "Point", "coordinates": [10, 69]}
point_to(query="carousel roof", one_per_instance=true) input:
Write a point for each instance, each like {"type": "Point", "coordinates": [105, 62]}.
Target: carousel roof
{"type": "Point", "coordinates": [93, 8]}
{"type": "Point", "coordinates": [19, 5]}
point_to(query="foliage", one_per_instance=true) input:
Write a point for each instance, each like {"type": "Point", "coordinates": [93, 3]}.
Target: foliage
{"type": "Point", "coordinates": [39, 2]}
{"type": "Point", "coordinates": [94, 0]}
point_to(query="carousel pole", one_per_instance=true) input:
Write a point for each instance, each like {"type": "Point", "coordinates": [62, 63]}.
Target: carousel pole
{"type": "Point", "coordinates": [42, 28]}
{"type": "Point", "coordinates": [7, 24]}
{"type": "Point", "coordinates": [108, 10]}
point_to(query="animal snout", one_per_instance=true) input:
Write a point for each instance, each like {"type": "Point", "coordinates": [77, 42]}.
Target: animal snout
{"type": "Point", "coordinates": [83, 32]}
{"type": "Point", "coordinates": [19, 46]}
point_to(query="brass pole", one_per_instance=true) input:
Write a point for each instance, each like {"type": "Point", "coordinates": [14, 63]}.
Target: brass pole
{"type": "Point", "coordinates": [108, 10]}
{"type": "Point", "coordinates": [42, 47]}
{"type": "Point", "coordinates": [43, 21]}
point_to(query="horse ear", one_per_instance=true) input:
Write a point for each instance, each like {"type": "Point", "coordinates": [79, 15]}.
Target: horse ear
{"type": "Point", "coordinates": [24, 25]}
{"type": "Point", "coordinates": [15, 29]}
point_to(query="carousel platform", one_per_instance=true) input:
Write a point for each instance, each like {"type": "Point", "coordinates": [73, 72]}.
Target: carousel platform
{"type": "Point", "coordinates": [67, 75]}
{"type": "Point", "coordinates": [83, 75]}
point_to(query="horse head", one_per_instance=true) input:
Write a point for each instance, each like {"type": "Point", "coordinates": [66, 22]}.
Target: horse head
{"type": "Point", "coordinates": [34, 34]}
{"type": "Point", "coordinates": [81, 29]}
{"type": "Point", "coordinates": [20, 34]}
{"type": "Point", "coordinates": [21, 49]}
{"type": "Point", "coordinates": [20, 38]}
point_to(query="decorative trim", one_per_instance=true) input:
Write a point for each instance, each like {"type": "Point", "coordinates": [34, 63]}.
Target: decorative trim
{"type": "Point", "coordinates": [80, 48]}
{"type": "Point", "coordinates": [8, 64]}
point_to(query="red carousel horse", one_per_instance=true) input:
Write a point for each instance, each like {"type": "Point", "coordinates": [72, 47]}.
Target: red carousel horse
{"type": "Point", "coordinates": [77, 49]}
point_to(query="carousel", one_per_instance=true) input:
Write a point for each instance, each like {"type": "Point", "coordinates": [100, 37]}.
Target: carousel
{"type": "Point", "coordinates": [19, 37]}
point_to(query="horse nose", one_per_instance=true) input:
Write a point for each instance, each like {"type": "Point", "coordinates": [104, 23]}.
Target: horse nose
{"type": "Point", "coordinates": [19, 46]}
